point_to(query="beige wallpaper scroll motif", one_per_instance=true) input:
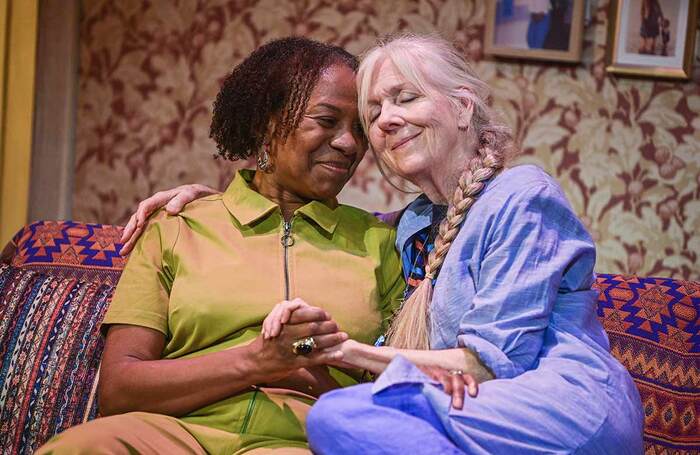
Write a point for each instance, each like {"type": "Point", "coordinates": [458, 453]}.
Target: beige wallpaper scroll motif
{"type": "Point", "coordinates": [626, 151]}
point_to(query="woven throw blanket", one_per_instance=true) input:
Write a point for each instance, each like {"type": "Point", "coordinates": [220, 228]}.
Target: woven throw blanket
{"type": "Point", "coordinates": [654, 329]}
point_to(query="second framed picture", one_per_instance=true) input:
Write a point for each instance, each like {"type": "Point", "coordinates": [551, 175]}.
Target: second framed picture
{"type": "Point", "coordinates": [535, 29]}
{"type": "Point", "coordinates": [652, 38]}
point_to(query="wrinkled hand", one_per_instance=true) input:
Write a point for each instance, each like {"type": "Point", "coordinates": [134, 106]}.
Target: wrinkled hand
{"type": "Point", "coordinates": [453, 383]}
{"type": "Point", "coordinates": [280, 315]}
{"type": "Point", "coordinates": [173, 200]}
{"type": "Point", "coordinates": [349, 350]}
{"type": "Point", "coordinates": [275, 354]}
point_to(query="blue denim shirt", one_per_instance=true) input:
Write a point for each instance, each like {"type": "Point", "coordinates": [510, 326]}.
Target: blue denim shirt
{"type": "Point", "coordinates": [522, 264]}
{"type": "Point", "coordinates": [515, 288]}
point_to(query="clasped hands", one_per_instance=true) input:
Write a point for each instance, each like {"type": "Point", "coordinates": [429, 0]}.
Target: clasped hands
{"type": "Point", "coordinates": [293, 320]}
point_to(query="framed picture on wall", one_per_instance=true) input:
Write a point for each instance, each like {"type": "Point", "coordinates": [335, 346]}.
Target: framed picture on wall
{"type": "Point", "coordinates": [654, 38]}
{"type": "Point", "coordinates": [535, 29]}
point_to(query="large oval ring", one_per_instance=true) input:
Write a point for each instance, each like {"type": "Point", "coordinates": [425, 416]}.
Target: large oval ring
{"type": "Point", "coordinates": [303, 346]}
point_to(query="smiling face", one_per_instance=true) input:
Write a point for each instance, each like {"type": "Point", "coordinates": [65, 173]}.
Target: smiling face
{"type": "Point", "coordinates": [417, 134]}
{"type": "Point", "coordinates": [320, 156]}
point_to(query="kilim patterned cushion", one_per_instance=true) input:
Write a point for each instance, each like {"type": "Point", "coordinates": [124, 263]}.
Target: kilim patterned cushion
{"type": "Point", "coordinates": [70, 249]}
{"type": "Point", "coordinates": [50, 349]}
{"type": "Point", "coordinates": [653, 327]}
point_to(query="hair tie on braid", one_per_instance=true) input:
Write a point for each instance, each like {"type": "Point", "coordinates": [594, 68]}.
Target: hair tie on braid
{"type": "Point", "coordinates": [410, 329]}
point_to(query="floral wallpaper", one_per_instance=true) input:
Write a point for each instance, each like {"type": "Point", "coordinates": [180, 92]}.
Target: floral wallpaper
{"type": "Point", "coordinates": [626, 151]}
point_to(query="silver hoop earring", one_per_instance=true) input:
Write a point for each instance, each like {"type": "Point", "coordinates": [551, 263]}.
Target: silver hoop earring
{"type": "Point", "coordinates": [263, 160]}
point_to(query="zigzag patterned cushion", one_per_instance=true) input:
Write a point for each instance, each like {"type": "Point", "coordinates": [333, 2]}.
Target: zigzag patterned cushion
{"type": "Point", "coordinates": [50, 349]}
{"type": "Point", "coordinates": [653, 328]}
{"type": "Point", "coordinates": [70, 249]}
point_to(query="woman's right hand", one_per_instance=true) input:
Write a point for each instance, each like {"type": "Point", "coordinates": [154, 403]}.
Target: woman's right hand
{"type": "Point", "coordinates": [454, 383]}
{"type": "Point", "coordinates": [313, 381]}
{"type": "Point", "coordinates": [173, 200]}
{"type": "Point", "coordinates": [275, 356]}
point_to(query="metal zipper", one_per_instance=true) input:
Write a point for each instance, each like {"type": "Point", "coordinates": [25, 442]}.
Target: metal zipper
{"type": "Point", "coordinates": [287, 241]}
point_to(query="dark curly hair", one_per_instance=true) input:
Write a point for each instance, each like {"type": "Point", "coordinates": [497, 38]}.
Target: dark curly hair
{"type": "Point", "coordinates": [274, 82]}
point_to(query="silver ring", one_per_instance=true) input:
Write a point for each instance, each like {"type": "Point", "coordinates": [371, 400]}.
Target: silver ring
{"type": "Point", "coordinates": [456, 372]}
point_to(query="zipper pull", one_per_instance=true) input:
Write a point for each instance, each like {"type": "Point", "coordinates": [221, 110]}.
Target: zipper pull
{"type": "Point", "coordinates": [287, 239]}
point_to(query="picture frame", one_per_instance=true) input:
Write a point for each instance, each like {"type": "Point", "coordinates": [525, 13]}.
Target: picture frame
{"type": "Point", "coordinates": [535, 29]}
{"type": "Point", "coordinates": [646, 42]}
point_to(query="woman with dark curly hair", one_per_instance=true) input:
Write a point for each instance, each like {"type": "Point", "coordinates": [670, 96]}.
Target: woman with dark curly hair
{"type": "Point", "coordinates": [185, 367]}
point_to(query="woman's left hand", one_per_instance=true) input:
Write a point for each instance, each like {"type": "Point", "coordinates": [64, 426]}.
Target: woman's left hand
{"type": "Point", "coordinates": [281, 314]}
{"type": "Point", "coordinates": [454, 382]}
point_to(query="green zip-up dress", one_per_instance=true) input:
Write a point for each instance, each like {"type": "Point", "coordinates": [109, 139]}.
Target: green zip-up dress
{"type": "Point", "coordinates": [207, 278]}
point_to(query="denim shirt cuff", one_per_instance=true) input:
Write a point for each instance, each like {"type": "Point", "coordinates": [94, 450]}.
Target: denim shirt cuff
{"type": "Point", "coordinates": [492, 357]}
{"type": "Point", "coordinates": [400, 371]}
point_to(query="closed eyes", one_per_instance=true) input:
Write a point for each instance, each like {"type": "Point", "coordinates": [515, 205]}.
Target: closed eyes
{"type": "Point", "coordinates": [406, 97]}
{"type": "Point", "coordinates": [327, 122]}
{"type": "Point", "coordinates": [403, 97]}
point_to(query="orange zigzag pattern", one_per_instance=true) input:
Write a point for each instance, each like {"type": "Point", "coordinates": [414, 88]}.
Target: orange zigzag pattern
{"type": "Point", "coordinates": [686, 375]}
{"type": "Point", "coordinates": [657, 449]}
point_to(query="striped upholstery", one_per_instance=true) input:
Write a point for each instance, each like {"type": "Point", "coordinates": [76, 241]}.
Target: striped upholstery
{"type": "Point", "coordinates": [50, 349]}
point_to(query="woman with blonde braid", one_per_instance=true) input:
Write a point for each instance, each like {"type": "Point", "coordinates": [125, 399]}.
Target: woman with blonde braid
{"type": "Point", "coordinates": [512, 269]}
{"type": "Point", "coordinates": [498, 285]}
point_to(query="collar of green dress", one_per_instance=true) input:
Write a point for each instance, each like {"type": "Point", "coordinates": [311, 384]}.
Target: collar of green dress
{"type": "Point", "coordinates": [248, 206]}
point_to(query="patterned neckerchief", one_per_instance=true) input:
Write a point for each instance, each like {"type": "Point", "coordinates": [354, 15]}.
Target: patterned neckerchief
{"type": "Point", "coordinates": [414, 258]}
{"type": "Point", "coordinates": [415, 255]}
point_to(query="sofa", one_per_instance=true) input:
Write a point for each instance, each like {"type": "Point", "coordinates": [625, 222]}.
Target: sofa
{"type": "Point", "coordinates": [57, 278]}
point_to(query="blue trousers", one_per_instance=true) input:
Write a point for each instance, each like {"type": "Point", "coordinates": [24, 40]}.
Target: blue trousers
{"type": "Point", "coordinates": [398, 420]}
{"type": "Point", "coordinates": [538, 412]}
